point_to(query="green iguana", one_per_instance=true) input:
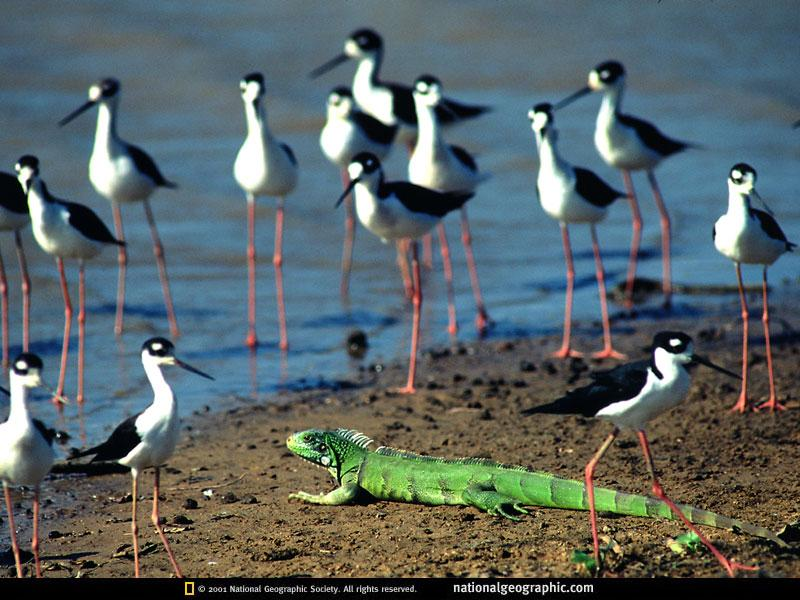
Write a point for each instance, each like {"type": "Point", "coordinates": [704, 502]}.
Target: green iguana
{"type": "Point", "coordinates": [498, 489]}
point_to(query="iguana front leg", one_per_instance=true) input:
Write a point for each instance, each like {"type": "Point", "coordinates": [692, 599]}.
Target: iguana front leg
{"type": "Point", "coordinates": [484, 497]}
{"type": "Point", "coordinates": [344, 494]}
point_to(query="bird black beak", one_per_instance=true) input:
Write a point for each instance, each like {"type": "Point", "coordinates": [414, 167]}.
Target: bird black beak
{"type": "Point", "coordinates": [697, 359]}
{"type": "Point", "coordinates": [183, 365]}
{"type": "Point", "coordinates": [349, 187]}
{"type": "Point", "coordinates": [331, 64]}
{"type": "Point", "coordinates": [5, 391]}
{"type": "Point", "coordinates": [572, 97]}
{"type": "Point", "coordinates": [756, 195]}
{"type": "Point", "coordinates": [81, 109]}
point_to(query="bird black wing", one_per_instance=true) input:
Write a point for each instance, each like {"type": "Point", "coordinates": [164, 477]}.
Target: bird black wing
{"type": "Point", "coordinates": [594, 189]}
{"type": "Point", "coordinates": [770, 226]}
{"type": "Point", "coordinates": [121, 441]}
{"type": "Point", "coordinates": [403, 103]}
{"type": "Point", "coordinates": [652, 137]}
{"type": "Point", "coordinates": [375, 130]}
{"type": "Point", "coordinates": [464, 157]}
{"type": "Point", "coordinates": [12, 196]}
{"type": "Point", "coordinates": [420, 199]}
{"type": "Point", "coordinates": [456, 111]}
{"type": "Point", "coordinates": [290, 154]}
{"type": "Point", "coordinates": [147, 165]}
{"type": "Point", "coordinates": [614, 385]}
{"type": "Point", "coordinates": [86, 221]}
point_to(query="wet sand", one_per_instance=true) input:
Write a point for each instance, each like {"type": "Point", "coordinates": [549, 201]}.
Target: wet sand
{"type": "Point", "coordinates": [468, 405]}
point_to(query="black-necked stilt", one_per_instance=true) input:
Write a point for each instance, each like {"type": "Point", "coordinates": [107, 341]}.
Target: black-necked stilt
{"type": "Point", "coordinates": [349, 131]}
{"type": "Point", "coordinates": [437, 165]}
{"type": "Point", "coordinates": [399, 210]}
{"type": "Point", "coordinates": [148, 439]}
{"type": "Point", "coordinates": [751, 236]}
{"type": "Point", "coordinates": [264, 167]}
{"type": "Point", "coordinates": [123, 173]}
{"type": "Point", "coordinates": [26, 454]}
{"type": "Point", "coordinates": [631, 144]}
{"type": "Point", "coordinates": [629, 396]}
{"type": "Point", "coordinates": [391, 103]}
{"type": "Point", "coordinates": [14, 217]}
{"type": "Point", "coordinates": [572, 195]}
{"type": "Point", "coordinates": [65, 230]}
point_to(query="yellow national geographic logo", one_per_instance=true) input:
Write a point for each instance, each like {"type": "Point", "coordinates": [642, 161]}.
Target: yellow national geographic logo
{"type": "Point", "coordinates": [188, 588]}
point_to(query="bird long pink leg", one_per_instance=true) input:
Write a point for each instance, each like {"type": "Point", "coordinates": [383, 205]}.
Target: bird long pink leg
{"type": "Point", "coordinates": [122, 260]}
{"type": "Point", "coordinates": [447, 267]}
{"type": "Point", "coordinates": [251, 340]}
{"type": "Point", "coordinates": [81, 327]}
{"type": "Point", "coordinates": [349, 238]}
{"type": "Point", "coordinates": [482, 317]}
{"type": "Point", "coordinates": [565, 349]}
{"type": "Point", "coordinates": [156, 522]}
{"type": "Point", "coordinates": [67, 329]}
{"type": "Point", "coordinates": [4, 308]}
{"type": "Point", "coordinates": [589, 480]}
{"type": "Point", "coordinates": [402, 263]}
{"type": "Point", "coordinates": [13, 530]}
{"type": "Point", "coordinates": [35, 539]}
{"type": "Point", "coordinates": [158, 251]}
{"type": "Point", "coordinates": [772, 403]}
{"type": "Point", "coordinates": [417, 301]}
{"type": "Point", "coordinates": [636, 237]}
{"type": "Point", "coordinates": [26, 292]}
{"type": "Point", "coordinates": [730, 566]}
{"type": "Point", "coordinates": [607, 351]}
{"type": "Point", "coordinates": [134, 524]}
{"type": "Point", "coordinates": [666, 236]}
{"type": "Point", "coordinates": [277, 262]}
{"type": "Point", "coordinates": [427, 251]}
{"type": "Point", "coordinates": [741, 405]}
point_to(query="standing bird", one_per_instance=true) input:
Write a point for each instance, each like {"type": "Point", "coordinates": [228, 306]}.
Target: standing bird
{"type": "Point", "coordinates": [630, 395]}
{"type": "Point", "coordinates": [631, 144]}
{"type": "Point", "coordinates": [65, 230]}
{"type": "Point", "coordinates": [399, 210]}
{"type": "Point", "coordinates": [446, 168]}
{"type": "Point", "coordinates": [123, 173]}
{"type": "Point", "coordinates": [751, 236]}
{"type": "Point", "coordinates": [13, 217]}
{"type": "Point", "coordinates": [347, 132]}
{"type": "Point", "coordinates": [148, 439]}
{"type": "Point", "coordinates": [26, 452]}
{"type": "Point", "coordinates": [391, 103]}
{"type": "Point", "coordinates": [572, 195]}
{"type": "Point", "coordinates": [264, 167]}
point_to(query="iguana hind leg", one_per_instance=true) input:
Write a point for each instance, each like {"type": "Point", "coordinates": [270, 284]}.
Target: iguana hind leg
{"type": "Point", "coordinates": [344, 494]}
{"type": "Point", "coordinates": [484, 497]}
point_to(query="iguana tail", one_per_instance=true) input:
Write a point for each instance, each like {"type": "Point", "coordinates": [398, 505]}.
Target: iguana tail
{"type": "Point", "coordinates": [565, 493]}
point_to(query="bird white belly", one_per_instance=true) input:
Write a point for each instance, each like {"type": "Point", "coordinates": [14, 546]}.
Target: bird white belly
{"type": "Point", "coordinates": [439, 171]}
{"type": "Point", "coordinates": [55, 236]}
{"type": "Point", "coordinates": [620, 147]}
{"type": "Point", "coordinates": [389, 220]}
{"type": "Point", "coordinates": [264, 170]}
{"type": "Point", "coordinates": [741, 239]}
{"type": "Point", "coordinates": [116, 178]}
{"type": "Point", "coordinates": [560, 201]}
{"type": "Point", "coordinates": [157, 444]}
{"type": "Point", "coordinates": [24, 459]}
{"type": "Point", "coordinates": [657, 396]}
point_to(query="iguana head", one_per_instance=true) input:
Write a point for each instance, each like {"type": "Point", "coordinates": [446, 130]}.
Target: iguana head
{"type": "Point", "coordinates": [339, 450]}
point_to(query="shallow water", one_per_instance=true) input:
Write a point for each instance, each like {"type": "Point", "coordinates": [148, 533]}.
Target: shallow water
{"type": "Point", "coordinates": [720, 74]}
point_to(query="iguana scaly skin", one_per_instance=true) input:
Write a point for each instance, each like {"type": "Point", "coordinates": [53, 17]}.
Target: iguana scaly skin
{"type": "Point", "coordinates": [498, 489]}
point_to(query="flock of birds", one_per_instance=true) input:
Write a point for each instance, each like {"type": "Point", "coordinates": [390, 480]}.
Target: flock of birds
{"type": "Point", "coordinates": [362, 126]}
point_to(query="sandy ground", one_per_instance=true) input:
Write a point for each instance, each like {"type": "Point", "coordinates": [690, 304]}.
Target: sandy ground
{"type": "Point", "coordinates": [468, 404]}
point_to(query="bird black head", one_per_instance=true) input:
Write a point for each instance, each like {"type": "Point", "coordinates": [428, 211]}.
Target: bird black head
{"type": "Point", "coordinates": [742, 173]}
{"type": "Point", "coordinates": [27, 161]}
{"type": "Point", "coordinates": [367, 40]}
{"type": "Point", "coordinates": [541, 116]}
{"type": "Point", "coordinates": [254, 77]}
{"type": "Point", "coordinates": [608, 72]}
{"type": "Point", "coordinates": [158, 346]}
{"type": "Point", "coordinates": [105, 88]}
{"type": "Point", "coordinates": [342, 91]}
{"type": "Point", "coordinates": [367, 161]}
{"type": "Point", "coordinates": [363, 165]}
{"type": "Point", "coordinates": [26, 363]}
{"type": "Point", "coordinates": [425, 83]}
{"type": "Point", "coordinates": [674, 342]}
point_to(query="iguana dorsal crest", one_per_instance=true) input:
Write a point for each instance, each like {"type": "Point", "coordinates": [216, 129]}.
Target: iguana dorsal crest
{"type": "Point", "coordinates": [354, 437]}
